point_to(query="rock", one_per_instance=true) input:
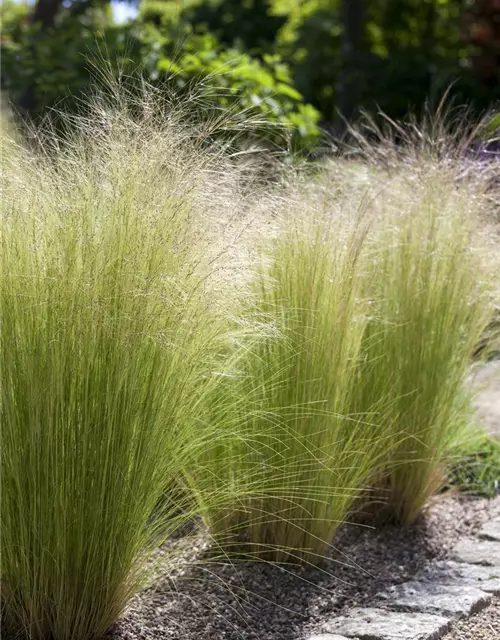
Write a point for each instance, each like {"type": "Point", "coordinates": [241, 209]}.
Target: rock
{"type": "Point", "coordinates": [472, 575]}
{"type": "Point", "coordinates": [449, 600]}
{"type": "Point", "coordinates": [490, 530]}
{"type": "Point", "coordinates": [377, 624]}
{"type": "Point", "coordinates": [473, 551]}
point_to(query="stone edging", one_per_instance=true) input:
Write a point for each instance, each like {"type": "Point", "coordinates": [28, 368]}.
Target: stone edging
{"type": "Point", "coordinates": [425, 607]}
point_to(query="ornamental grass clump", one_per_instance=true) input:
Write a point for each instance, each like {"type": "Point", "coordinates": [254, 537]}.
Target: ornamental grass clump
{"type": "Point", "coordinates": [109, 342]}
{"type": "Point", "coordinates": [374, 292]}
{"type": "Point", "coordinates": [308, 295]}
{"type": "Point", "coordinates": [431, 302]}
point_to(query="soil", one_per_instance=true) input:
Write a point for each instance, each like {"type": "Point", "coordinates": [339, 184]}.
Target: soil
{"type": "Point", "coordinates": [219, 600]}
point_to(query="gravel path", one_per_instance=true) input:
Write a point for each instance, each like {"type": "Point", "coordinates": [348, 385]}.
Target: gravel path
{"type": "Point", "coordinates": [486, 624]}
{"type": "Point", "coordinates": [481, 626]}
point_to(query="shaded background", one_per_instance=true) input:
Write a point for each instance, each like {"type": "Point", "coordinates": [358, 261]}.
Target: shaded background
{"type": "Point", "coordinates": [300, 63]}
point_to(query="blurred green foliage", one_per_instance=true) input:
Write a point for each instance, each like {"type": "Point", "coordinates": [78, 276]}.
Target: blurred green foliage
{"type": "Point", "coordinates": [475, 466]}
{"type": "Point", "coordinates": [412, 50]}
{"type": "Point", "coordinates": [41, 67]}
{"type": "Point", "coordinates": [257, 89]}
{"type": "Point", "coordinates": [279, 60]}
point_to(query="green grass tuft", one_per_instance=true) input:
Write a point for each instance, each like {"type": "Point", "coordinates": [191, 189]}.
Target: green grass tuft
{"type": "Point", "coordinates": [475, 466]}
{"type": "Point", "coordinates": [109, 340]}
{"type": "Point", "coordinates": [430, 306]}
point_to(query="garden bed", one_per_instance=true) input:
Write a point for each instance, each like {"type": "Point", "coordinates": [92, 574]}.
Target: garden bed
{"type": "Point", "coordinates": [166, 362]}
{"type": "Point", "coordinates": [222, 600]}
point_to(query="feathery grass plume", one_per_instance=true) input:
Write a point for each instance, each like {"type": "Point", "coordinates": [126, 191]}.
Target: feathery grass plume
{"type": "Point", "coordinates": [12, 149]}
{"type": "Point", "coordinates": [317, 459]}
{"type": "Point", "coordinates": [110, 336]}
{"type": "Point", "coordinates": [371, 330]}
{"type": "Point", "coordinates": [431, 304]}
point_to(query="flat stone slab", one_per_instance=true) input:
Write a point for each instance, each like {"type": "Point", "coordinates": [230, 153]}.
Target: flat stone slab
{"type": "Point", "coordinates": [490, 531]}
{"type": "Point", "coordinates": [475, 551]}
{"type": "Point", "coordinates": [377, 624]}
{"type": "Point", "coordinates": [449, 600]}
{"type": "Point", "coordinates": [472, 575]}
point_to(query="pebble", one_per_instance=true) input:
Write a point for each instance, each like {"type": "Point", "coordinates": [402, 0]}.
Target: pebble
{"type": "Point", "coordinates": [482, 626]}
{"type": "Point", "coordinates": [490, 530]}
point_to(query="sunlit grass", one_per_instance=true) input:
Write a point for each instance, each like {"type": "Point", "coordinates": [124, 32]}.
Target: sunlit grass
{"type": "Point", "coordinates": [375, 292]}
{"type": "Point", "coordinates": [431, 303]}
{"type": "Point", "coordinates": [178, 339]}
{"type": "Point", "coordinates": [309, 296]}
{"type": "Point", "coordinates": [109, 343]}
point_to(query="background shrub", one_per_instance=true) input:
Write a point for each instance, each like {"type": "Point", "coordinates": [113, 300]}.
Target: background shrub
{"type": "Point", "coordinates": [291, 62]}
